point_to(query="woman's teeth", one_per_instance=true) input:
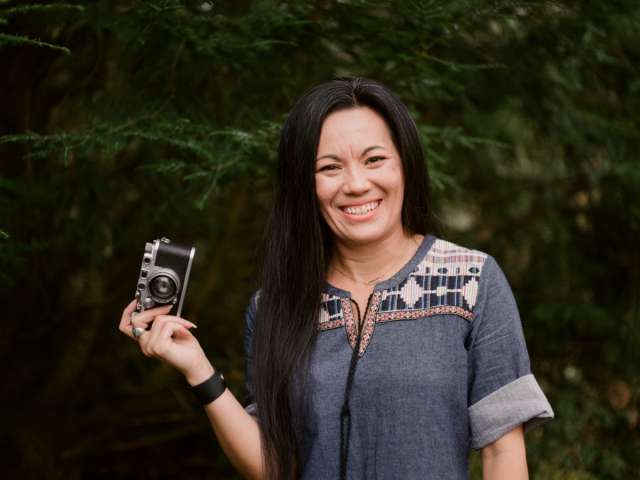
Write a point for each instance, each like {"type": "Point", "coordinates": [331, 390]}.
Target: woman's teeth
{"type": "Point", "coordinates": [362, 209]}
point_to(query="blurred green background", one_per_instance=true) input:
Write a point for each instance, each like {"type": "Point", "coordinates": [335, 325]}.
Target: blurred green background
{"type": "Point", "coordinates": [123, 121]}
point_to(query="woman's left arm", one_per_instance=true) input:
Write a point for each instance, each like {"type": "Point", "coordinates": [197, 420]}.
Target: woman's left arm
{"type": "Point", "coordinates": [506, 458]}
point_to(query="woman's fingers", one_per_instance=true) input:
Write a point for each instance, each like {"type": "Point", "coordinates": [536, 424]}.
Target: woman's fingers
{"type": "Point", "coordinates": [170, 340]}
{"type": "Point", "coordinates": [163, 336]}
{"type": "Point", "coordinates": [132, 319]}
{"type": "Point", "coordinates": [125, 319]}
{"type": "Point", "coordinates": [165, 329]}
{"type": "Point", "coordinates": [169, 329]}
{"type": "Point", "coordinates": [144, 318]}
{"type": "Point", "coordinates": [129, 308]}
{"type": "Point", "coordinates": [126, 313]}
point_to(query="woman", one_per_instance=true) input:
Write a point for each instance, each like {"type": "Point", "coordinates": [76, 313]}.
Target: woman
{"type": "Point", "coordinates": [374, 349]}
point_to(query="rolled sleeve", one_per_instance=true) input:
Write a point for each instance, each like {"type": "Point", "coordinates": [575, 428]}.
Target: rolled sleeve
{"type": "Point", "coordinates": [503, 392]}
{"type": "Point", "coordinates": [519, 402]}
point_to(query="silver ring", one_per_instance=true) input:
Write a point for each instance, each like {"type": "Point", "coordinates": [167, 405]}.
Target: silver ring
{"type": "Point", "coordinates": [137, 331]}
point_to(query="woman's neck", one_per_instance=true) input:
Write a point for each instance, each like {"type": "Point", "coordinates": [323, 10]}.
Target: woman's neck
{"type": "Point", "coordinates": [367, 264]}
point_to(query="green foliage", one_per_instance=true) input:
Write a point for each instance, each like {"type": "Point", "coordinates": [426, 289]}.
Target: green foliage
{"type": "Point", "coordinates": [127, 120]}
{"type": "Point", "coordinates": [9, 39]}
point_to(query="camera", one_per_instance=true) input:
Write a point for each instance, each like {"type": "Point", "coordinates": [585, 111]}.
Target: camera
{"type": "Point", "coordinates": [164, 275]}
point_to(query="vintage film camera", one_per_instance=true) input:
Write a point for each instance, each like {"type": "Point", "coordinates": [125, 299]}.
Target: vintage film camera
{"type": "Point", "coordinates": [164, 275]}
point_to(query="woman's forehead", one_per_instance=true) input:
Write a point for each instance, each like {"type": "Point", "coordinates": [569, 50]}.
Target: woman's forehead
{"type": "Point", "coordinates": [354, 129]}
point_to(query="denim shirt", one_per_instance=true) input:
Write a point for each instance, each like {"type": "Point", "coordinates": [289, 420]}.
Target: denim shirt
{"type": "Point", "coordinates": [442, 368]}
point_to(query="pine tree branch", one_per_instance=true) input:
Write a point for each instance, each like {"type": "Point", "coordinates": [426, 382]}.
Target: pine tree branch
{"type": "Point", "coordinates": [6, 39]}
{"type": "Point", "coordinates": [42, 8]}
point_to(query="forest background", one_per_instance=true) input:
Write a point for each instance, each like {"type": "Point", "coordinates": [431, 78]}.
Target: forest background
{"type": "Point", "coordinates": [122, 121]}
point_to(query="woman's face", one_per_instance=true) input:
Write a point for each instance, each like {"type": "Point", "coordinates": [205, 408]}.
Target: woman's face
{"type": "Point", "coordinates": [359, 180]}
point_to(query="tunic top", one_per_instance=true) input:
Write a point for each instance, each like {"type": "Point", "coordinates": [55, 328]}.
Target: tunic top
{"type": "Point", "coordinates": [442, 368]}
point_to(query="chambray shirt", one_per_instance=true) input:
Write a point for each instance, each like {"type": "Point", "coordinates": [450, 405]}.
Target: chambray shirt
{"type": "Point", "coordinates": [443, 367]}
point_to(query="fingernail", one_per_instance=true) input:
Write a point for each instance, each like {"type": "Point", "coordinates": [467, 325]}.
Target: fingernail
{"type": "Point", "coordinates": [193, 325]}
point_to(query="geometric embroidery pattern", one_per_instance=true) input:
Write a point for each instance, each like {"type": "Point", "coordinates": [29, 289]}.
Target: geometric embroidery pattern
{"type": "Point", "coordinates": [349, 321]}
{"type": "Point", "coordinates": [368, 324]}
{"type": "Point", "coordinates": [444, 282]}
{"type": "Point", "coordinates": [424, 312]}
{"type": "Point", "coordinates": [331, 313]}
{"type": "Point", "coordinates": [447, 276]}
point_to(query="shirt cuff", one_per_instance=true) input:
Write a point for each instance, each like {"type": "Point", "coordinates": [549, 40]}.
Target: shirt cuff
{"type": "Point", "coordinates": [521, 401]}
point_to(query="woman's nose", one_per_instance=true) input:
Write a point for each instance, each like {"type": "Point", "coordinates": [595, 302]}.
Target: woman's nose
{"type": "Point", "coordinates": [356, 181]}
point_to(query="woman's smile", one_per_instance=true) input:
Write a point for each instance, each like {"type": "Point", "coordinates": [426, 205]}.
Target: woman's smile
{"type": "Point", "coordinates": [360, 211]}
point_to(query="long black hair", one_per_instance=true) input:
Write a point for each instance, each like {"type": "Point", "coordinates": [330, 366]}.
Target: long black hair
{"type": "Point", "coordinates": [297, 251]}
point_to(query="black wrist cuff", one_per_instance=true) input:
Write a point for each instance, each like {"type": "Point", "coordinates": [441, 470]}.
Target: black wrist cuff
{"type": "Point", "coordinates": [207, 391]}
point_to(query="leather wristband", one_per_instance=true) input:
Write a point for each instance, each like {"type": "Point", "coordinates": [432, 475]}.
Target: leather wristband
{"type": "Point", "coordinates": [207, 391]}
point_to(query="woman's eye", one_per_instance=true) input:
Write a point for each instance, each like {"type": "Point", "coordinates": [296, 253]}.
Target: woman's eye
{"type": "Point", "coordinates": [327, 168]}
{"type": "Point", "coordinates": [375, 159]}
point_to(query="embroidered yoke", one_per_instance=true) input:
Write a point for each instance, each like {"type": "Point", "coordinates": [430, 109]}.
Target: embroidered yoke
{"type": "Point", "coordinates": [443, 367]}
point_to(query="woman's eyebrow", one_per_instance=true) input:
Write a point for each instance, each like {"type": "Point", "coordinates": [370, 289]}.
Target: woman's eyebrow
{"type": "Point", "coordinates": [364, 152]}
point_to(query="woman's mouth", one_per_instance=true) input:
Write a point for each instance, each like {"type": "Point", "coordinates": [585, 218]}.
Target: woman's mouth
{"type": "Point", "coordinates": [361, 209]}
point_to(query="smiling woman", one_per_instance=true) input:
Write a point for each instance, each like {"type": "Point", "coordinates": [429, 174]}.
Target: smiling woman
{"type": "Point", "coordinates": [373, 348]}
{"type": "Point", "coordinates": [360, 187]}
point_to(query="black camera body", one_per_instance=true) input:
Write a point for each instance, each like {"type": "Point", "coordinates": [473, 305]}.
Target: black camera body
{"type": "Point", "coordinates": [164, 275]}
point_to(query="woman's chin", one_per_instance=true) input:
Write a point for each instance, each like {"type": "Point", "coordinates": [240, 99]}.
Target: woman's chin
{"type": "Point", "coordinates": [363, 236]}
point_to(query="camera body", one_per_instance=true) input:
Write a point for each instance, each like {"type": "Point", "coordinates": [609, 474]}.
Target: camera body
{"type": "Point", "coordinates": [164, 275]}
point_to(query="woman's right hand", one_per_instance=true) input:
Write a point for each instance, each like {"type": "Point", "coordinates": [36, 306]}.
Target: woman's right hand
{"type": "Point", "coordinates": [169, 340]}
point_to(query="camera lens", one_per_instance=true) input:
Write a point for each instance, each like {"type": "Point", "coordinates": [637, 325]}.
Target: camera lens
{"type": "Point", "coordinates": [162, 287]}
